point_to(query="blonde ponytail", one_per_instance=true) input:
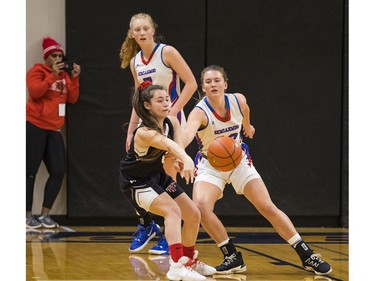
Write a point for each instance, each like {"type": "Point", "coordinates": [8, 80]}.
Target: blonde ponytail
{"type": "Point", "coordinates": [129, 49]}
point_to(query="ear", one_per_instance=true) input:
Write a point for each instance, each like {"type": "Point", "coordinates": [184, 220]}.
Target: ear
{"type": "Point", "coordinates": [225, 85]}
{"type": "Point", "coordinates": [147, 105]}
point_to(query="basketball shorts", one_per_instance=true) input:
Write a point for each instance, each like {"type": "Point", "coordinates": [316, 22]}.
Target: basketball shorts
{"type": "Point", "coordinates": [142, 193]}
{"type": "Point", "coordinates": [238, 177]}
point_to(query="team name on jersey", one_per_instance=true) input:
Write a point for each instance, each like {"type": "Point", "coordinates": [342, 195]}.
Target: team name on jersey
{"type": "Point", "coordinates": [145, 72]}
{"type": "Point", "coordinates": [228, 129]}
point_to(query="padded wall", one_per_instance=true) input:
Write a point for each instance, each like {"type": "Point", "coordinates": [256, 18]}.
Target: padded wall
{"type": "Point", "coordinates": [285, 56]}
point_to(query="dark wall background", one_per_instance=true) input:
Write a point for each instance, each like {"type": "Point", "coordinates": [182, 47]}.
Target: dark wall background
{"type": "Point", "coordinates": [286, 56]}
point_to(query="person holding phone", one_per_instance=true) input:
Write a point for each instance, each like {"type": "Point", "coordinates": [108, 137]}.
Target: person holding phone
{"type": "Point", "coordinates": [50, 88]}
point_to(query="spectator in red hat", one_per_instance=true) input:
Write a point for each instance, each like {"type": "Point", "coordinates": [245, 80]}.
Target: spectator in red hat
{"type": "Point", "coordinates": [50, 86]}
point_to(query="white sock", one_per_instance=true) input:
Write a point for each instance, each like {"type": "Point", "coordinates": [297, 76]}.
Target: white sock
{"type": "Point", "coordinates": [223, 243]}
{"type": "Point", "coordinates": [294, 240]}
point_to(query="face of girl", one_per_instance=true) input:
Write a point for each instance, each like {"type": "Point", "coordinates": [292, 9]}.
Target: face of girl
{"type": "Point", "coordinates": [142, 31]}
{"type": "Point", "coordinates": [160, 103]}
{"type": "Point", "coordinates": [54, 57]}
{"type": "Point", "coordinates": [214, 83]}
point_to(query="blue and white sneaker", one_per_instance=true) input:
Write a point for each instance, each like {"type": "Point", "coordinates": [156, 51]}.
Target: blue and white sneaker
{"type": "Point", "coordinates": [142, 236]}
{"type": "Point", "coordinates": [161, 248]}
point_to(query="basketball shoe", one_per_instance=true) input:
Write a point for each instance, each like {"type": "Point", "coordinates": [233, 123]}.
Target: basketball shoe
{"type": "Point", "coordinates": [231, 264]}
{"type": "Point", "coordinates": [161, 248]}
{"type": "Point", "coordinates": [200, 267]}
{"type": "Point", "coordinates": [142, 236]}
{"type": "Point", "coordinates": [316, 264]}
{"type": "Point", "coordinates": [182, 271]}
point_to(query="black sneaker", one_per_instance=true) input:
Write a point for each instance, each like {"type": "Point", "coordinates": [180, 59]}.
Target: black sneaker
{"type": "Point", "coordinates": [316, 264]}
{"type": "Point", "coordinates": [232, 264]}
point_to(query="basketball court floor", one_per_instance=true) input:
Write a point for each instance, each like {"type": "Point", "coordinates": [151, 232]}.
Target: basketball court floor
{"type": "Point", "coordinates": [101, 253]}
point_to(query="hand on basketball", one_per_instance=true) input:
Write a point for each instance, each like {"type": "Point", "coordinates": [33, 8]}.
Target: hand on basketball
{"type": "Point", "coordinates": [249, 132]}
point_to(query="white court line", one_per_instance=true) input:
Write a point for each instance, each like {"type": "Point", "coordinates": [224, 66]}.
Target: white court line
{"type": "Point", "coordinates": [68, 229]}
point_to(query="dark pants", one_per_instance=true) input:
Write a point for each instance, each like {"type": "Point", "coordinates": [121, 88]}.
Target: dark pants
{"type": "Point", "coordinates": [47, 146]}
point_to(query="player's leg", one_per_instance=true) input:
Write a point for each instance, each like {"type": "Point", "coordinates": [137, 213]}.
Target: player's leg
{"type": "Point", "coordinates": [180, 268]}
{"type": "Point", "coordinates": [256, 192]}
{"type": "Point", "coordinates": [205, 196]}
{"type": "Point", "coordinates": [191, 217]}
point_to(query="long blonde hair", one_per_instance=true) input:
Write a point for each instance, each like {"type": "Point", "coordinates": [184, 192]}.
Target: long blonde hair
{"type": "Point", "coordinates": [130, 47]}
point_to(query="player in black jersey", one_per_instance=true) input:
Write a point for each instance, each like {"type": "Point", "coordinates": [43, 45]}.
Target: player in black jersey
{"type": "Point", "coordinates": [144, 182]}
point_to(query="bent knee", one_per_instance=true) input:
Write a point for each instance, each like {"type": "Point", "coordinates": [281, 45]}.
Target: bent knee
{"type": "Point", "coordinates": [268, 209]}
{"type": "Point", "coordinates": [174, 212]}
{"type": "Point", "coordinates": [194, 214]}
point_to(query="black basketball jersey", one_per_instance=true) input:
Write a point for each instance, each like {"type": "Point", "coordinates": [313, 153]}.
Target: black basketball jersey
{"type": "Point", "coordinates": [132, 166]}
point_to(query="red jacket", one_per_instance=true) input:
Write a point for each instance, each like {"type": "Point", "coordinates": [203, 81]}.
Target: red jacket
{"type": "Point", "coordinates": [46, 92]}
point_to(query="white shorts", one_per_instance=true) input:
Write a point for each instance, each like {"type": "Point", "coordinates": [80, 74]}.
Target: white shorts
{"type": "Point", "coordinates": [238, 177]}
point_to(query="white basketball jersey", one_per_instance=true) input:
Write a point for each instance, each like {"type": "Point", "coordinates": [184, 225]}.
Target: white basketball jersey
{"type": "Point", "coordinates": [217, 126]}
{"type": "Point", "coordinates": [157, 72]}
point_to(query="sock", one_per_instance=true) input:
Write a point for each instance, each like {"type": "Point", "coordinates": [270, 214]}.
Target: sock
{"type": "Point", "coordinates": [294, 240]}
{"type": "Point", "coordinates": [189, 251]}
{"type": "Point", "coordinates": [227, 247]}
{"type": "Point", "coordinates": [146, 220]}
{"type": "Point", "coordinates": [302, 250]}
{"type": "Point", "coordinates": [176, 251]}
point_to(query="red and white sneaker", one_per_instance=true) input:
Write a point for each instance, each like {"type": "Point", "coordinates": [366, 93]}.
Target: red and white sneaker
{"type": "Point", "coordinates": [201, 267]}
{"type": "Point", "coordinates": [182, 271]}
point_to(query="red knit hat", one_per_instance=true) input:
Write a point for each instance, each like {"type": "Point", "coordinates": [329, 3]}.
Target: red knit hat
{"type": "Point", "coordinates": [50, 46]}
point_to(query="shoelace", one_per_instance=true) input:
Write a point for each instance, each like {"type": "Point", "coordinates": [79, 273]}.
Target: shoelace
{"type": "Point", "coordinates": [139, 234]}
{"type": "Point", "coordinates": [187, 265]}
{"type": "Point", "coordinates": [162, 242]}
{"type": "Point", "coordinates": [230, 259]}
{"type": "Point", "coordinates": [314, 260]}
{"type": "Point", "coordinates": [191, 263]}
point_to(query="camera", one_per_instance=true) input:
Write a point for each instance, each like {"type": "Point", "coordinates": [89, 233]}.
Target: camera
{"type": "Point", "coordinates": [68, 66]}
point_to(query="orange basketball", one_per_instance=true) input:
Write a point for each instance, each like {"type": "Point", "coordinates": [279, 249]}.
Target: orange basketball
{"type": "Point", "coordinates": [224, 154]}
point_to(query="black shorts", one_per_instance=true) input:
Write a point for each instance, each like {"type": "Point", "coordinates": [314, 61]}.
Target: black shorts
{"type": "Point", "coordinates": [141, 192]}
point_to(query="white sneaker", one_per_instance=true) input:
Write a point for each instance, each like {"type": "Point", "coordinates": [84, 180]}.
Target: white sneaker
{"type": "Point", "coordinates": [180, 271]}
{"type": "Point", "coordinates": [201, 267]}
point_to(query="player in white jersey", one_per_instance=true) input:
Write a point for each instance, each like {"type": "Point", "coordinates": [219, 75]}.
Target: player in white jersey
{"type": "Point", "coordinates": [162, 65]}
{"type": "Point", "coordinates": [156, 71]}
{"type": "Point", "coordinates": [221, 114]}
